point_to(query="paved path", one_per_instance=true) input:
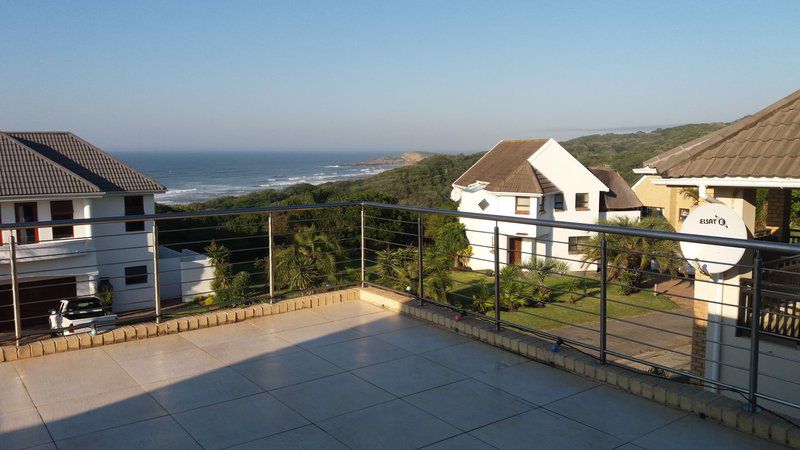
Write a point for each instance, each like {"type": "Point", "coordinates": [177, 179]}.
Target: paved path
{"type": "Point", "coordinates": [349, 375]}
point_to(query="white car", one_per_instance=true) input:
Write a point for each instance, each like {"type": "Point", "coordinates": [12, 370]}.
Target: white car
{"type": "Point", "coordinates": [81, 315]}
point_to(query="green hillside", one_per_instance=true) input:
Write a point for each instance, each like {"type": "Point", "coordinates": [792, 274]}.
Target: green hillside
{"type": "Point", "coordinates": [625, 152]}
{"type": "Point", "coordinates": [427, 183]}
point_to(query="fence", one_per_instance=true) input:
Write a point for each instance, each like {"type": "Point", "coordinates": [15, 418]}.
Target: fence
{"type": "Point", "coordinates": [620, 294]}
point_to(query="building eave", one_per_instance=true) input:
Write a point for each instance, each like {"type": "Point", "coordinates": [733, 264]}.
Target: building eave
{"type": "Point", "coordinates": [754, 182]}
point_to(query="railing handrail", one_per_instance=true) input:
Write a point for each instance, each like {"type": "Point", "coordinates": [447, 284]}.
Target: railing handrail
{"type": "Point", "coordinates": [748, 244]}
{"type": "Point", "coordinates": [600, 228]}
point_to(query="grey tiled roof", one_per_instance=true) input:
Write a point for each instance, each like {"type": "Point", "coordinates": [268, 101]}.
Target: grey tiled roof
{"type": "Point", "coordinates": [45, 163]}
{"type": "Point", "coordinates": [764, 144]}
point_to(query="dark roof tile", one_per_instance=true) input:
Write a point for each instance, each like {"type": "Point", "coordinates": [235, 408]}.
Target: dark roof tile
{"type": "Point", "coordinates": [62, 163]}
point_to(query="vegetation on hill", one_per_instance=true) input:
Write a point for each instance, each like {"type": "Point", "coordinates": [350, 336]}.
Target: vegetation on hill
{"type": "Point", "coordinates": [428, 182]}
{"type": "Point", "coordinates": [625, 152]}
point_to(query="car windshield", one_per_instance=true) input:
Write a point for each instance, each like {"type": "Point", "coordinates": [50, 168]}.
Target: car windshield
{"type": "Point", "coordinates": [84, 308]}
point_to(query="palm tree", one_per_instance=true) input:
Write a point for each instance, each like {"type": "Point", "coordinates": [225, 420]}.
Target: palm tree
{"type": "Point", "coordinates": [398, 268]}
{"type": "Point", "coordinates": [308, 261]}
{"type": "Point", "coordinates": [228, 287]}
{"type": "Point", "coordinates": [692, 194]}
{"type": "Point", "coordinates": [541, 268]}
{"type": "Point", "coordinates": [628, 256]}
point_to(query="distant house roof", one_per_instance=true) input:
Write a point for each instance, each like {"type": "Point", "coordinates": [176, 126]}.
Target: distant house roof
{"type": "Point", "coordinates": [765, 144]}
{"type": "Point", "coordinates": [620, 196]}
{"type": "Point", "coordinates": [57, 163]}
{"type": "Point", "coordinates": [505, 168]}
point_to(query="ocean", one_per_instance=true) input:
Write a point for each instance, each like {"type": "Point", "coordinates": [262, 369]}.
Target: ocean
{"type": "Point", "coordinates": [192, 176]}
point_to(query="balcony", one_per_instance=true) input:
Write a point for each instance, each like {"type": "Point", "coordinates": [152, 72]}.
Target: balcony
{"type": "Point", "coordinates": [347, 375]}
{"type": "Point", "coordinates": [49, 250]}
{"type": "Point", "coordinates": [365, 325]}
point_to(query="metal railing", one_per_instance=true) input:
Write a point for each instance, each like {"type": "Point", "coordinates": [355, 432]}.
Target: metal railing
{"type": "Point", "coordinates": [386, 246]}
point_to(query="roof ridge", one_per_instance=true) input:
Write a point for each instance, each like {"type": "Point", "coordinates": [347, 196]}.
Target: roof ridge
{"type": "Point", "coordinates": [52, 163]}
{"type": "Point", "coordinates": [115, 159]}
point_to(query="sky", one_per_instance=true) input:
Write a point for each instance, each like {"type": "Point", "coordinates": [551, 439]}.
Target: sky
{"type": "Point", "coordinates": [378, 75]}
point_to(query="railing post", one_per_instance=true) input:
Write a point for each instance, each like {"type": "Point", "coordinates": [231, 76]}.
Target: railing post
{"type": "Point", "coordinates": [496, 277]}
{"type": "Point", "coordinates": [421, 252]}
{"type": "Point", "coordinates": [363, 249]}
{"type": "Point", "coordinates": [156, 280]}
{"type": "Point", "coordinates": [603, 302]}
{"type": "Point", "coordinates": [15, 288]}
{"type": "Point", "coordinates": [755, 326]}
{"type": "Point", "coordinates": [270, 260]}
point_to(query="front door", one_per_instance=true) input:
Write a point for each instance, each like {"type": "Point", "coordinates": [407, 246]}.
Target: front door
{"type": "Point", "coordinates": [514, 250]}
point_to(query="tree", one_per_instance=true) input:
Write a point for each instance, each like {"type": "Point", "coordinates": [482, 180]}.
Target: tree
{"type": "Point", "coordinates": [309, 260]}
{"type": "Point", "coordinates": [541, 268]}
{"type": "Point", "coordinates": [628, 256]}
{"type": "Point", "coordinates": [692, 194]}
{"type": "Point", "coordinates": [451, 239]}
{"type": "Point", "coordinates": [228, 287]}
{"type": "Point", "coordinates": [398, 268]}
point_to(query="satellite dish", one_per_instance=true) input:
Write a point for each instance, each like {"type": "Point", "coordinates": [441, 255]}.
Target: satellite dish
{"type": "Point", "coordinates": [455, 194]}
{"type": "Point", "coordinates": [716, 220]}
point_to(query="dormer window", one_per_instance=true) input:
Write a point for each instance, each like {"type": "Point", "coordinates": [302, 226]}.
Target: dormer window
{"type": "Point", "coordinates": [522, 205]}
{"type": "Point", "coordinates": [582, 201]}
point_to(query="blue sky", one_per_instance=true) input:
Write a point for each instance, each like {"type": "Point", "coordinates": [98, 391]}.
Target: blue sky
{"type": "Point", "coordinates": [429, 75]}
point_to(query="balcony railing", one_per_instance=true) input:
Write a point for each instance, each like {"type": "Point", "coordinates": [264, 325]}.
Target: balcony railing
{"type": "Point", "coordinates": [52, 249]}
{"type": "Point", "coordinates": [623, 303]}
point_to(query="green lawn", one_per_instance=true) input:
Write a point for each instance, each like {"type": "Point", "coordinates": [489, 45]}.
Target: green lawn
{"type": "Point", "coordinates": [561, 312]}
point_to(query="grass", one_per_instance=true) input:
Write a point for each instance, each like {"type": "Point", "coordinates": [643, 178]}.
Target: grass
{"type": "Point", "coordinates": [566, 308]}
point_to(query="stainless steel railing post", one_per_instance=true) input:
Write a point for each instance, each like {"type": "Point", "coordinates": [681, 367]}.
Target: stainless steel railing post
{"type": "Point", "coordinates": [603, 300]}
{"type": "Point", "coordinates": [496, 277]}
{"type": "Point", "coordinates": [15, 288]}
{"type": "Point", "coordinates": [755, 326]}
{"type": "Point", "coordinates": [363, 249]}
{"type": "Point", "coordinates": [270, 259]}
{"type": "Point", "coordinates": [420, 268]}
{"type": "Point", "coordinates": [156, 278]}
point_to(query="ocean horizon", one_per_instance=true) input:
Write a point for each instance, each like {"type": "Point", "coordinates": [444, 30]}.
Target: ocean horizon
{"type": "Point", "coordinates": [194, 176]}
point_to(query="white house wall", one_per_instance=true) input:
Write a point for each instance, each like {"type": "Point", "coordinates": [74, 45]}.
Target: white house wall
{"type": "Point", "coordinates": [118, 249]}
{"type": "Point", "coordinates": [51, 258]}
{"type": "Point", "coordinates": [571, 177]}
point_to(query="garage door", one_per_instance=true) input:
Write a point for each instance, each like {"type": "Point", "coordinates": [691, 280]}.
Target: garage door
{"type": "Point", "coordinates": [36, 299]}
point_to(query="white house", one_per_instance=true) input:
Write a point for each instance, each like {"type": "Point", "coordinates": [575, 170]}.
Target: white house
{"type": "Point", "coordinates": [537, 178]}
{"type": "Point", "coordinates": [57, 175]}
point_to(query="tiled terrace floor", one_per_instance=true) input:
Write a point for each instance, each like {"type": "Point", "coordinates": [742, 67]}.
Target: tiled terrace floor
{"type": "Point", "coordinates": [349, 375]}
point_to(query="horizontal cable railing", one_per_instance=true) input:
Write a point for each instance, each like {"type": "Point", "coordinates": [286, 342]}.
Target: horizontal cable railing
{"type": "Point", "coordinates": [617, 303]}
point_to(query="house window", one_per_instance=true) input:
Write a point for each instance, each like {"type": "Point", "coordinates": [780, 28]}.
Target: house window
{"type": "Point", "coordinates": [576, 244]}
{"type": "Point", "coordinates": [26, 212]}
{"type": "Point", "coordinates": [136, 275]}
{"type": "Point", "coordinates": [652, 211]}
{"type": "Point", "coordinates": [483, 205]}
{"type": "Point", "coordinates": [134, 206]}
{"type": "Point", "coordinates": [582, 201]}
{"type": "Point", "coordinates": [522, 205]}
{"type": "Point", "coordinates": [683, 213]}
{"type": "Point", "coordinates": [558, 202]}
{"type": "Point", "coordinates": [62, 210]}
